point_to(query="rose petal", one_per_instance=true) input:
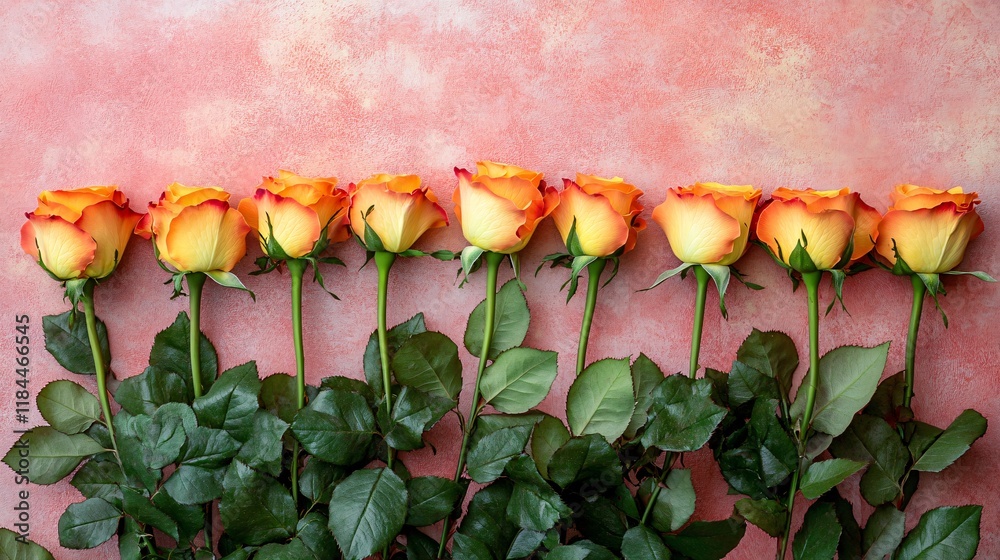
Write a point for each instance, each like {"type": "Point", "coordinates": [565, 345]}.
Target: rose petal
{"type": "Point", "coordinates": [111, 227]}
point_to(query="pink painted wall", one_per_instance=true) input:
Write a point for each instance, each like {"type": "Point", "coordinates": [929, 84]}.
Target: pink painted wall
{"type": "Point", "coordinates": [664, 93]}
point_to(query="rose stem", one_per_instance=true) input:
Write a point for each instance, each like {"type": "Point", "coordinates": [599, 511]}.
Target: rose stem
{"type": "Point", "coordinates": [594, 271]}
{"type": "Point", "coordinates": [919, 290]}
{"type": "Point", "coordinates": [384, 260]}
{"type": "Point", "coordinates": [668, 461]}
{"type": "Point", "coordinates": [811, 280]}
{"type": "Point", "coordinates": [99, 366]}
{"type": "Point", "coordinates": [296, 268]}
{"type": "Point", "coordinates": [196, 280]}
{"type": "Point", "coordinates": [699, 318]}
{"type": "Point", "coordinates": [493, 261]}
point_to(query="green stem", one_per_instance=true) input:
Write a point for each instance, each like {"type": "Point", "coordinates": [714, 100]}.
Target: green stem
{"type": "Point", "coordinates": [668, 461]}
{"type": "Point", "coordinates": [384, 260]}
{"type": "Point", "coordinates": [100, 368]}
{"type": "Point", "coordinates": [196, 281]}
{"type": "Point", "coordinates": [594, 271]}
{"type": "Point", "coordinates": [699, 318]}
{"type": "Point", "coordinates": [296, 269]}
{"type": "Point", "coordinates": [493, 261]}
{"type": "Point", "coordinates": [919, 290]}
{"type": "Point", "coordinates": [811, 280]}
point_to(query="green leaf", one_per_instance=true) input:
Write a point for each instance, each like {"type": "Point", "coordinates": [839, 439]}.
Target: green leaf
{"type": "Point", "coordinates": [52, 454]}
{"type": "Point", "coordinates": [510, 322]}
{"type": "Point", "coordinates": [429, 361]}
{"type": "Point", "coordinates": [319, 478]}
{"type": "Point", "coordinates": [952, 443]}
{"type": "Point", "coordinates": [255, 508]}
{"type": "Point", "coordinates": [817, 538]}
{"type": "Point", "coordinates": [944, 533]}
{"type": "Point", "coordinates": [707, 540]}
{"type": "Point", "coordinates": [683, 415]}
{"type": "Point", "coordinates": [13, 548]}
{"type": "Point", "coordinates": [549, 435]}
{"type": "Point", "coordinates": [601, 400]}
{"type": "Point", "coordinates": [208, 447]}
{"type": "Point", "coordinates": [760, 456]}
{"type": "Point", "coordinates": [872, 440]}
{"type": "Point", "coordinates": [367, 510]}
{"type": "Point", "coordinates": [585, 459]}
{"type": "Point", "coordinates": [262, 450]}
{"type": "Point", "coordinates": [171, 352]}
{"type": "Point", "coordinates": [143, 511]}
{"type": "Point", "coordinates": [525, 543]}
{"type": "Point", "coordinates": [676, 502]}
{"type": "Point", "coordinates": [162, 435]}
{"type": "Point", "coordinates": [766, 514]}
{"type": "Point", "coordinates": [144, 393]}
{"type": "Point", "coordinates": [278, 396]}
{"type": "Point", "coordinates": [128, 541]}
{"type": "Point", "coordinates": [68, 407]}
{"type": "Point", "coordinates": [533, 504]}
{"type": "Point", "coordinates": [640, 543]}
{"type": "Point", "coordinates": [432, 498]}
{"type": "Point", "coordinates": [88, 523]}
{"type": "Point", "coordinates": [411, 416]}
{"type": "Point", "coordinates": [824, 475]}
{"type": "Point", "coordinates": [130, 450]}
{"type": "Point", "coordinates": [645, 376]}
{"type": "Point", "coordinates": [67, 340]}
{"type": "Point", "coordinates": [336, 427]}
{"type": "Point", "coordinates": [486, 518]}
{"type": "Point", "coordinates": [314, 532]}
{"type": "Point", "coordinates": [228, 280]}
{"type": "Point", "coordinates": [100, 479]}
{"type": "Point", "coordinates": [395, 337]}
{"type": "Point", "coordinates": [490, 454]}
{"type": "Point", "coordinates": [600, 520]}
{"type": "Point", "coordinates": [772, 353]}
{"type": "Point", "coordinates": [747, 384]}
{"type": "Point", "coordinates": [191, 484]}
{"type": "Point", "coordinates": [469, 548]}
{"type": "Point", "coordinates": [848, 377]}
{"type": "Point", "coordinates": [519, 379]}
{"type": "Point", "coordinates": [884, 532]}
{"type": "Point", "coordinates": [292, 550]}
{"type": "Point", "coordinates": [231, 403]}
{"type": "Point", "coordinates": [669, 274]}
{"type": "Point", "coordinates": [720, 275]}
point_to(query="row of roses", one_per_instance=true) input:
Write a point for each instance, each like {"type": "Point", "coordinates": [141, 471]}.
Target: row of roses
{"type": "Point", "coordinates": [82, 233]}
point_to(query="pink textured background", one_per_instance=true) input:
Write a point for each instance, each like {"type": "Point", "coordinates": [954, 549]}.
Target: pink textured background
{"type": "Point", "coordinates": [858, 93]}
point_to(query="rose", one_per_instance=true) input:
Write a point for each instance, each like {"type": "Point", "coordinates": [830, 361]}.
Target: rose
{"type": "Point", "coordinates": [929, 229]}
{"type": "Point", "coordinates": [604, 213]}
{"type": "Point", "coordinates": [296, 216]}
{"type": "Point", "coordinates": [79, 233]}
{"type": "Point", "coordinates": [834, 228]}
{"type": "Point", "coordinates": [500, 205]}
{"type": "Point", "coordinates": [708, 223]}
{"type": "Point", "coordinates": [195, 230]}
{"type": "Point", "coordinates": [396, 208]}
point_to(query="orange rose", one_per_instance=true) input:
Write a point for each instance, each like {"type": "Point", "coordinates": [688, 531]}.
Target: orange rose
{"type": "Point", "coordinates": [833, 227]}
{"type": "Point", "coordinates": [500, 205]}
{"type": "Point", "coordinates": [195, 230]}
{"type": "Point", "coordinates": [708, 223]}
{"type": "Point", "coordinates": [930, 229]}
{"type": "Point", "coordinates": [79, 233]}
{"type": "Point", "coordinates": [605, 211]}
{"type": "Point", "coordinates": [401, 210]}
{"type": "Point", "coordinates": [296, 216]}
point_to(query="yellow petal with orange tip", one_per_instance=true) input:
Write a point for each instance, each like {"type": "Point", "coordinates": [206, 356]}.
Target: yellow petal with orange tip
{"type": "Point", "coordinates": [697, 230]}
{"type": "Point", "coordinates": [248, 208]}
{"type": "Point", "coordinates": [600, 229]}
{"type": "Point", "coordinates": [912, 197]}
{"type": "Point", "coordinates": [69, 204]}
{"type": "Point", "coordinates": [111, 227]}
{"type": "Point", "coordinates": [622, 196]}
{"type": "Point", "coordinates": [62, 247]}
{"type": "Point", "coordinates": [294, 227]}
{"type": "Point", "coordinates": [783, 224]}
{"type": "Point", "coordinates": [209, 236]}
{"type": "Point", "coordinates": [395, 183]}
{"type": "Point", "coordinates": [930, 240]}
{"type": "Point", "coordinates": [488, 221]}
{"type": "Point", "coordinates": [182, 195]}
{"type": "Point", "coordinates": [398, 216]}
{"type": "Point", "coordinates": [503, 170]}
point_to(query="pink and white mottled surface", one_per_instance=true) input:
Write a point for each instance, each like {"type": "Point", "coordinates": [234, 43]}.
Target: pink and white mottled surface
{"type": "Point", "coordinates": [859, 93]}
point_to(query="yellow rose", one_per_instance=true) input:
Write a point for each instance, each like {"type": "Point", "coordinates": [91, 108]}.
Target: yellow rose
{"type": "Point", "coordinates": [605, 211]}
{"type": "Point", "coordinates": [401, 210]}
{"type": "Point", "coordinates": [500, 205]}
{"type": "Point", "coordinates": [79, 233]}
{"type": "Point", "coordinates": [195, 229]}
{"type": "Point", "coordinates": [826, 223]}
{"type": "Point", "coordinates": [708, 223]}
{"type": "Point", "coordinates": [289, 214]}
{"type": "Point", "coordinates": [930, 228]}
